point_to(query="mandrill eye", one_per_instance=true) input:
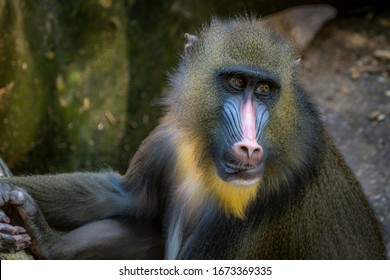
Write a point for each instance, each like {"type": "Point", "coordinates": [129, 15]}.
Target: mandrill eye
{"type": "Point", "coordinates": [237, 82]}
{"type": "Point", "coordinates": [263, 88]}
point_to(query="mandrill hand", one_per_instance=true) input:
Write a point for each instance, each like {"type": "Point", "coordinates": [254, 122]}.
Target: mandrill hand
{"type": "Point", "coordinates": [14, 238]}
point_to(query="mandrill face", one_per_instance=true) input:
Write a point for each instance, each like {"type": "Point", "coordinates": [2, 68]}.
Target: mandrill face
{"type": "Point", "coordinates": [240, 154]}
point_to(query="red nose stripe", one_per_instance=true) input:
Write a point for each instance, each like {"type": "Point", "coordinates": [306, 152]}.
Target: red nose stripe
{"type": "Point", "coordinates": [248, 120]}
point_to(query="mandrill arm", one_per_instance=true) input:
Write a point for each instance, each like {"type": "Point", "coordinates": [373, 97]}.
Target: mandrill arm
{"type": "Point", "coordinates": [100, 215]}
{"type": "Point", "coordinates": [70, 200]}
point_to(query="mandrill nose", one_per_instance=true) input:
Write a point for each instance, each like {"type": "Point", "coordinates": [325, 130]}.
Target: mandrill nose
{"type": "Point", "coordinates": [248, 152]}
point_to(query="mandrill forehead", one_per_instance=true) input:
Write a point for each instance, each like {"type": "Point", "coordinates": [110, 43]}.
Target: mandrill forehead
{"type": "Point", "coordinates": [243, 41]}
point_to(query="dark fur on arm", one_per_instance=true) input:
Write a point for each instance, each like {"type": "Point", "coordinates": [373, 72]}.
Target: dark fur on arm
{"type": "Point", "coordinates": [71, 200]}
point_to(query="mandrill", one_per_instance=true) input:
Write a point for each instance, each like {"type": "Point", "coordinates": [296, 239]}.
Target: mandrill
{"type": "Point", "coordinates": [240, 167]}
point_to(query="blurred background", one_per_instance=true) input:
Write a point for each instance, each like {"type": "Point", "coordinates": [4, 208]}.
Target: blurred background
{"type": "Point", "coordinates": [80, 80]}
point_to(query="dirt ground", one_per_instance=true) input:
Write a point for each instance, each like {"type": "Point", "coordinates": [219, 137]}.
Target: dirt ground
{"type": "Point", "coordinates": [346, 69]}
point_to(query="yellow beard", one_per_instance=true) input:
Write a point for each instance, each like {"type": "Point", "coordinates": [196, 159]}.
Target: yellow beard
{"type": "Point", "coordinates": [198, 180]}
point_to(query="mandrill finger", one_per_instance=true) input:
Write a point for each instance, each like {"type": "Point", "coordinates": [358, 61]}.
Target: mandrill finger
{"type": "Point", "coordinates": [22, 246]}
{"type": "Point", "coordinates": [19, 229]}
{"type": "Point", "coordinates": [22, 238]}
{"type": "Point", "coordinates": [4, 193]}
{"type": "Point", "coordinates": [6, 239]}
{"type": "Point", "coordinates": [4, 218]}
{"type": "Point", "coordinates": [9, 229]}
{"type": "Point", "coordinates": [12, 240]}
{"type": "Point", "coordinates": [13, 248]}
{"type": "Point", "coordinates": [17, 197]}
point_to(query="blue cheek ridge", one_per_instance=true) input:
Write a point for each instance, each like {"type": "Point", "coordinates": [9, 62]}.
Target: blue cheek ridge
{"type": "Point", "coordinates": [231, 118]}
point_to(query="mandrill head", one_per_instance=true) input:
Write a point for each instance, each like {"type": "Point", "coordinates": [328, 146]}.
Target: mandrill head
{"type": "Point", "coordinates": [233, 102]}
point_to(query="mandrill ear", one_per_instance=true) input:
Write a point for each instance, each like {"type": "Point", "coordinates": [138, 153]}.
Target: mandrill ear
{"type": "Point", "coordinates": [190, 40]}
